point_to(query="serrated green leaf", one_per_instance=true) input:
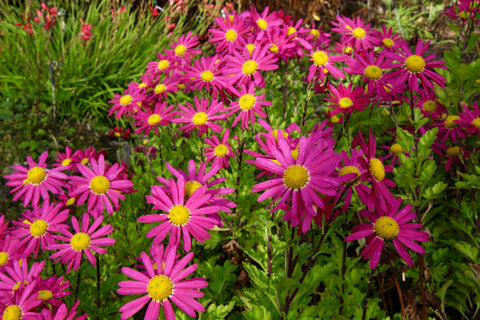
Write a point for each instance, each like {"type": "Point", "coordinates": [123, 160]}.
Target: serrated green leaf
{"type": "Point", "coordinates": [405, 139]}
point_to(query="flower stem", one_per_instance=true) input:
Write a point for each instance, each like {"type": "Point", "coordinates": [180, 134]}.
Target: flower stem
{"type": "Point", "coordinates": [399, 290]}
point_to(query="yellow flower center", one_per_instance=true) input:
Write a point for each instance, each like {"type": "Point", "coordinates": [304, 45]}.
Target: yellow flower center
{"type": "Point", "coordinates": [334, 119]}
{"type": "Point", "coordinates": [160, 287]}
{"type": "Point", "coordinates": [316, 33]}
{"type": "Point", "coordinates": [99, 185]}
{"type": "Point", "coordinates": [449, 124]}
{"type": "Point", "coordinates": [126, 99]}
{"type": "Point", "coordinates": [200, 118]}
{"type": "Point", "coordinates": [275, 134]}
{"type": "Point", "coordinates": [246, 102]}
{"type": "Point", "coordinates": [207, 75]}
{"type": "Point", "coordinates": [249, 67]}
{"type": "Point", "coordinates": [250, 47]}
{"type": "Point", "coordinates": [142, 85]}
{"type": "Point", "coordinates": [154, 119]}
{"type": "Point", "coordinates": [476, 122]}
{"type": "Point", "coordinates": [273, 48]}
{"type": "Point", "coordinates": [66, 162]}
{"type": "Point", "coordinates": [430, 106]}
{"type": "Point", "coordinates": [262, 24]}
{"type": "Point", "coordinates": [159, 88]}
{"type": "Point", "coordinates": [415, 64]}
{"type": "Point", "coordinates": [359, 33]}
{"type": "Point", "coordinates": [190, 187]}
{"type": "Point", "coordinates": [163, 64]}
{"type": "Point", "coordinates": [453, 151]}
{"type": "Point", "coordinates": [45, 295]}
{"type": "Point", "coordinates": [181, 86]}
{"type": "Point", "coordinates": [320, 58]}
{"type": "Point", "coordinates": [36, 175]}
{"type": "Point", "coordinates": [231, 35]}
{"type": "Point", "coordinates": [349, 169]}
{"type": "Point", "coordinates": [296, 177]}
{"type": "Point", "coordinates": [80, 241]}
{"type": "Point", "coordinates": [295, 154]}
{"type": "Point", "coordinates": [345, 103]}
{"type": "Point", "coordinates": [373, 72]}
{"type": "Point", "coordinates": [71, 202]}
{"type": "Point", "coordinates": [291, 30]}
{"type": "Point", "coordinates": [386, 228]}
{"type": "Point", "coordinates": [12, 312]}
{"type": "Point", "coordinates": [387, 42]}
{"type": "Point", "coordinates": [377, 169]}
{"type": "Point", "coordinates": [180, 50]}
{"type": "Point", "coordinates": [84, 161]}
{"type": "Point", "coordinates": [3, 258]}
{"type": "Point", "coordinates": [179, 215]}
{"type": "Point", "coordinates": [38, 228]}
{"type": "Point", "coordinates": [396, 149]}
{"type": "Point", "coordinates": [220, 150]}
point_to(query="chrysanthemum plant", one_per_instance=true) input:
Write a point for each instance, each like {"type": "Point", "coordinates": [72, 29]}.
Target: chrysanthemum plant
{"type": "Point", "coordinates": [278, 175]}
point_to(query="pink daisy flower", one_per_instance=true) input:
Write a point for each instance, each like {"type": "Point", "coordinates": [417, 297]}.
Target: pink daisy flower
{"type": "Point", "coordinates": [450, 128]}
{"type": "Point", "coordinates": [151, 119]}
{"type": "Point", "coordinates": [182, 218]}
{"type": "Point", "coordinates": [86, 239]}
{"type": "Point", "coordinates": [19, 275]}
{"type": "Point", "coordinates": [202, 116]}
{"type": "Point", "coordinates": [100, 187]}
{"type": "Point", "coordinates": [64, 159]}
{"type": "Point", "coordinates": [388, 225]}
{"type": "Point", "coordinates": [84, 156]}
{"type": "Point", "coordinates": [62, 313]}
{"type": "Point", "coordinates": [428, 104]}
{"type": "Point", "coordinates": [374, 171]}
{"type": "Point", "coordinates": [183, 49]}
{"type": "Point", "coordinates": [158, 92]}
{"type": "Point", "coordinates": [281, 45]}
{"type": "Point", "coordinates": [301, 177]}
{"type": "Point", "coordinates": [38, 226]}
{"type": "Point", "coordinates": [323, 63]}
{"type": "Point", "coordinates": [10, 251]}
{"type": "Point", "coordinates": [127, 104]}
{"type": "Point", "coordinates": [162, 286]}
{"type": "Point", "coordinates": [264, 23]}
{"type": "Point", "coordinates": [29, 184]}
{"type": "Point", "coordinates": [21, 305]}
{"type": "Point", "coordinates": [244, 68]}
{"type": "Point", "coordinates": [164, 65]}
{"type": "Point", "coordinates": [470, 119]}
{"type": "Point", "coordinates": [299, 36]}
{"type": "Point", "coordinates": [220, 151]}
{"type": "Point", "coordinates": [207, 73]}
{"type": "Point", "coordinates": [51, 290]}
{"type": "Point", "coordinates": [356, 33]}
{"type": "Point", "coordinates": [373, 70]}
{"type": "Point", "coordinates": [389, 41]}
{"type": "Point", "coordinates": [414, 67]}
{"type": "Point", "coordinates": [228, 33]}
{"type": "Point", "coordinates": [249, 104]}
{"type": "Point", "coordinates": [345, 99]}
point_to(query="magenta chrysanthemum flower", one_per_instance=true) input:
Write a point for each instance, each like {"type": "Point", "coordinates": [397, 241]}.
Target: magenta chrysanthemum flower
{"type": "Point", "coordinates": [159, 90]}
{"type": "Point", "coordinates": [470, 119]}
{"type": "Point", "coordinates": [127, 103]}
{"type": "Point", "coordinates": [100, 187]}
{"type": "Point", "coordinates": [62, 313]}
{"type": "Point", "coordinates": [10, 251]}
{"type": "Point", "coordinates": [19, 275]}
{"type": "Point", "coordinates": [163, 66]}
{"type": "Point", "coordinates": [428, 104]}
{"type": "Point", "coordinates": [202, 116]}
{"type": "Point", "coordinates": [162, 286]}
{"type": "Point", "coordinates": [84, 156]}
{"type": "Point", "coordinates": [373, 70]}
{"type": "Point", "coordinates": [356, 33]}
{"type": "Point", "coordinates": [35, 231]}
{"type": "Point", "coordinates": [249, 104]}
{"type": "Point", "coordinates": [29, 184]}
{"type": "Point", "coordinates": [52, 289]}
{"type": "Point", "coordinates": [220, 151]}
{"type": "Point", "coordinates": [151, 119]}
{"type": "Point", "coordinates": [183, 49]}
{"type": "Point", "coordinates": [450, 128]}
{"type": "Point", "coordinates": [375, 173]}
{"type": "Point", "coordinates": [86, 239]}
{"type": "Point", "coordinates": [393, 225]}
{"type": "Point", "coordinates": [21, 304]}
{"type": "Point", "coordinates": [207, 73]}
{"type": "Point", "coordinates": [324, 62]}
{"type": "Point", "coordinates": [345, 99]}
{"type": "Point", "coordinates": [451, 154]}
{"type": "Point", "coordinates": [300, 176]}
{"type": "Point", "coordinates": [390, 41]}
{"type": "Point", "coordinates": [264, 23]}
{"type": "Point", "coordinates": [414, 67]}
{"type": "Point", "coordinates": [228, 33]}
{"type": "Point", "coordinates": [182, 218]}
{"type": "Point", "coordinates": [244, 68]}
{"type": "Point", "coordinates": [64, 159]}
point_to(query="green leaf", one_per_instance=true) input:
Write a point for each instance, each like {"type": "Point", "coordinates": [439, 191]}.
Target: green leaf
{"type": "Point", "coordinates": [467, 250]}
{"type": "Point", "coordinates": [405, 139]}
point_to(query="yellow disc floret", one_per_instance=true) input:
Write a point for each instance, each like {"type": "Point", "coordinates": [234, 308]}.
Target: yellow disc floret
{"type": "Point", "coordinates": [99, 185]}
{"type": "Point", "coordinates": [200, 118]}
{"type": "Point", "coordinates": [359, 33]}
{"type": "Point", "coordinates": [3, 258]}
{"type": "Point", "coordinates": [377, 169]}
{"type": "Point", "coordinates": [163, 64]}
{"type": "Point", "coordinates": [453, 151]}
{"type": "Point", "coordinates": [221, 150]}
{"type": "Point", "coordinates": [262, 24]}
{"type": "Point", "coordinates": [396, 149]}
{"type": "Point", "coordinates": [179, 215]}
{"type": "Point", "coordinates": [349, 169]}
{"type": "Point", "coordinates": [66, 162]}
{"type": "Point", "coordinates": [320, 58]}
{"type": "Point", "coordinates": [386, 228]}
{"type": "Point", "coordinates": [246, 102]}
{"type": "Point", "coordinates": [315, 33]}
{"type": "Point", "coordinates": [415, 64]}
{"type": "Point", "coordinates": [345, 103]}
{"type": "Point", "coordinates": [80, 241]}
{"type": "Point", "coordinates": [430, 106]}
{"type": "Point", "coordinates": [476, 122]}
{"type": "Point", "coordinates": [180, 50]}
{"type": "Point", "coordinates": [159, 88]}
{"type": "Point", "coordinates": [249, 67]}
{"type": "Point", "coordinates": [154, 119]}
{"type": "Point", "coordinates": [231, 35]}
{"type": "Point", "coordinates": [36, 175]}
{"type": "Point", "coordinates": [38, 228]}
{"type": "Point", "coordinates": [12, 312]}
{"type": "Point", "coordinates": [449, 122]}
{"type": "Point", "coordinates": [160, 287]}
{"type": "Point", "coordinates": [190, 187]}
{"type": "Point", "coordinates": [387, 42]}
{"type": "Point", "coordinates": [296, 177]}
{"type": "Point", "coordinates": [126, 100]}
{"type": "Point", "coordinates": [45, 295]}
{"type": "Point", "coordinates": [373, 72]}
{"type": "Point", "coordinates": [207, 76]}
